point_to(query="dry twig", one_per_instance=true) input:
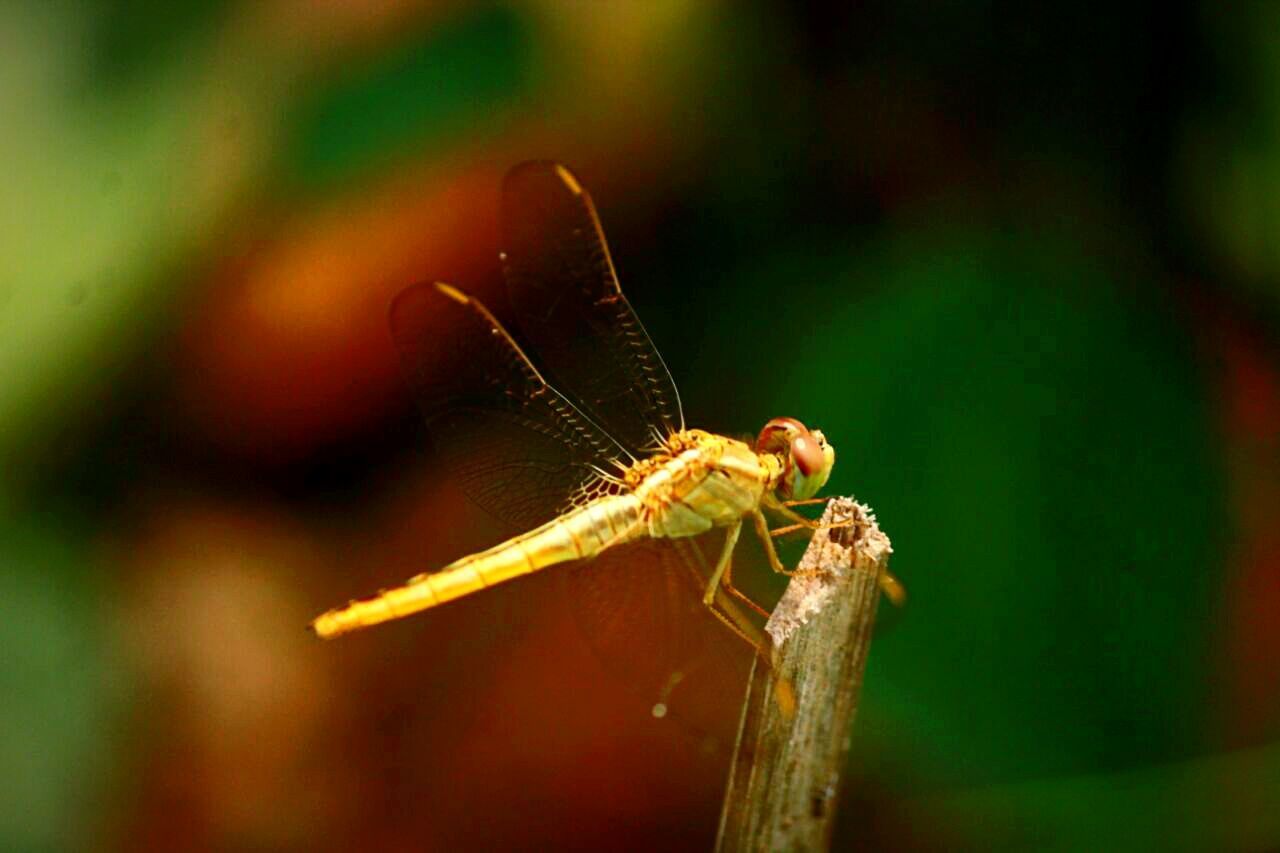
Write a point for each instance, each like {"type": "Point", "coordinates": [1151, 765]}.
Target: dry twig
{"type": "Point", "coordinates": [785, 779]}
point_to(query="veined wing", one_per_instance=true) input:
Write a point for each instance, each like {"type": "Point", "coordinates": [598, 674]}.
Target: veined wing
{"type": "Point", "coordinates": [517, 447]}
{"type": "Point", "coordinates": [566, 295]}
{"type": "Point", "coordinates": [524, 453]}
{"type": "Point", "coordinates": [641, 610]}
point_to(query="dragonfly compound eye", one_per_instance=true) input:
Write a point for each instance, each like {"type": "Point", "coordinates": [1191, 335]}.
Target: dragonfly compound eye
{"type": "Point", "coordinates": [777, 435]}
{"type": "Point", "coordinates": [807, 454]}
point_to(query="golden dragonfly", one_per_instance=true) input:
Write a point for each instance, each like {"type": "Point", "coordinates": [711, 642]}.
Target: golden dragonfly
{"type": "Point", "coordinates": [604, 475]}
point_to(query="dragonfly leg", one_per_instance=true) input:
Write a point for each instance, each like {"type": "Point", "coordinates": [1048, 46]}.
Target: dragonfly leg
{"type": "Point", "coordinates": [892, 588]}
{"type": "Point", "coordinates": [726, 554]}
{"type": "Point", "coordinates": [808, 502]}
{"type": "Point", "coordinates": [719, 588]}
{"type": "Point", "coordinates": [783, 693]}
{"type": "Point", "coordinates": [722, 575]}
{"type": "Point", "coordinates": [723, 608]}
{"type": "Point", "coordinates": [726, 583]}
{"type": "Point", "coordinates": [762, 530]}
{"type": "Point", "coordinates": [889, 584]}
{"type": "Point", "coordinates": [739, 624]}
{"type": "Point", "coordinates": [799, 520]}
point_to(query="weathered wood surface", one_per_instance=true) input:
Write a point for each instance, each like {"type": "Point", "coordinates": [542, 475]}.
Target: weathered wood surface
{"type": "Point", "coordinates": [784, 784]}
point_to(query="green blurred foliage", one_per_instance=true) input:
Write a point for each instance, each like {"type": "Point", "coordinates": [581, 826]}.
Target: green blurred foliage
{"type": "Point", "coordinates": [110, 189]}
{"type": "Point", "coordinates": [61, 688]}
{"type": "Point", "coordinates": [133, 41]}
{"type": "Point", "coordinates": [1037, 442]}
{"type": "Point", "coordinates": [458, 82]}
{"type": "Point", "coordinates": [1230, 151]}
{"type": "Point", "coordinates": [1217, 803]}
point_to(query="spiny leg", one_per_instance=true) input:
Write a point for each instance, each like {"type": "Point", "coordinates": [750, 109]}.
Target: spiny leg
{"type": "Point", "coordinates": [787, 530]}
{"type": "Point", "coordinates": [800, 521]}
{"type": "Point", "coordinates": [718, 602]}
{"type": "Point", "coordinates": [738, 623]}
{"type": "Point", "coordinates": [807, 502]}
{"type": "Point", "coordinates": [762, 530]}
{"type": "Point", "coordinates": [783, 692]}
{"type": "Point", "coordinates": [700, 579]}
{"type": "Point", "coordinates": [736, 628]}
{"type": "Point", "coordinates": [726, 583]}
{"type": "Point", "coordinates": [726, 554]}
{"type": "Point", "coordinates": [779, 532]}
{"type": "Point", "coordinates": [889, 584]}
{"type": "Point", "coordinates": [766, 537]}
{"type": "Point", "coordinates": [722, 575]}
{"type": "Point", "coordinates": [715, 596]}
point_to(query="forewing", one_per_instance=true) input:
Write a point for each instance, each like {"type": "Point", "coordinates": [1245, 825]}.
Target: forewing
{"type": "Point", "coordinates": [640, 608]}
{"type": "Point", "coordinates": [570, 306]}
{"type": "Point", "coordinates": [514, 444]}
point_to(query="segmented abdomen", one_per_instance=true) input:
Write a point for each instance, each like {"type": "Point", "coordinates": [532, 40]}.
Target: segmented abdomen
{"type": "Point", "coordinates": [576, 535]}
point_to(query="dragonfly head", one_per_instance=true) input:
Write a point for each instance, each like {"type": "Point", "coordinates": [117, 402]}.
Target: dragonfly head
{"type": "Point", "coordinates": [806, 457]}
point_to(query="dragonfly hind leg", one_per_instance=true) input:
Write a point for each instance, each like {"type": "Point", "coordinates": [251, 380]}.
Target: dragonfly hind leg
{"type": "Point", "coordinates": [719, 588]}
{"type": "Point", "coordinates": [718, 601]}
{"type": "Point", "coordinates": [722, 575]}
{"type": "Point", "coordinates": [726, 583]}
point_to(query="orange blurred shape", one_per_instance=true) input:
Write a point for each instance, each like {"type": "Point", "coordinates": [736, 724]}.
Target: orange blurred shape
{"type": "Point", "coordinates": [289, 350]}
{"type": "Point", "coordinates": [209, 612]}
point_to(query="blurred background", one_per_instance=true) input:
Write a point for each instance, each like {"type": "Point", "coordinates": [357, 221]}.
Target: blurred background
{"type": "Point", "coordinates": [1021, 262]}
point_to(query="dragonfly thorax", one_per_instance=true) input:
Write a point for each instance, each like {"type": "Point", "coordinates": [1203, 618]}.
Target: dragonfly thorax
{"type": "Point", "coordinates": [676, 444]}
{"type": "Point", "coordinates": [700, 480]}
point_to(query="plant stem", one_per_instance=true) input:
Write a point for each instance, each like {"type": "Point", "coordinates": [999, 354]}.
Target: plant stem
{"type": "Point", "coordinates": [784, 782]}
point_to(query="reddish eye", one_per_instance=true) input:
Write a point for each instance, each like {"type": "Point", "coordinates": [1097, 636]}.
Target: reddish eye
{"type": "Point", "coordinates": [773, 437]}
{"type": "Point", "coordinates": [807, 454]}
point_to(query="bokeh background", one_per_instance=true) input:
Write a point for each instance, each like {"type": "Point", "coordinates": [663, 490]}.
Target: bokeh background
{"type": "Point", "coordinates": [1019, 261]}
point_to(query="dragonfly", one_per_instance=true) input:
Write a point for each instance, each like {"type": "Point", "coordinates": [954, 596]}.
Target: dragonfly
{"type": "Point", "coordinates": [597, 468]}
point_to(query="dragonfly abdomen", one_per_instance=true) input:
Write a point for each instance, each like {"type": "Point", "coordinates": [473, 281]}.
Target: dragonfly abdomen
{"type": "Point", "coordinates": [576, 535]}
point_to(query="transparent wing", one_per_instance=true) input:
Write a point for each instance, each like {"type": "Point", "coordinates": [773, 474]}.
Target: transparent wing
{"type": "Point", "coordinates": [516, 446]}
{"type": "Point", "coordinates": [524, 453]}
{"type": "Point", "coordinates": [569, 304]}
{"type": "Point", "coordinates": [641, 611]}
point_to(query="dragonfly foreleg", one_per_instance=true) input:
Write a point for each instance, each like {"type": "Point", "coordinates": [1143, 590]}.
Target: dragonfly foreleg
{"type": "Point", "coordinates": [779, 532]}
{"type": "Point", "coordinates": [799, 520]}
{"type": "Point", "coordinates": [808, 502]}
{"type": "Point", "coordinates": [889, 585]}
